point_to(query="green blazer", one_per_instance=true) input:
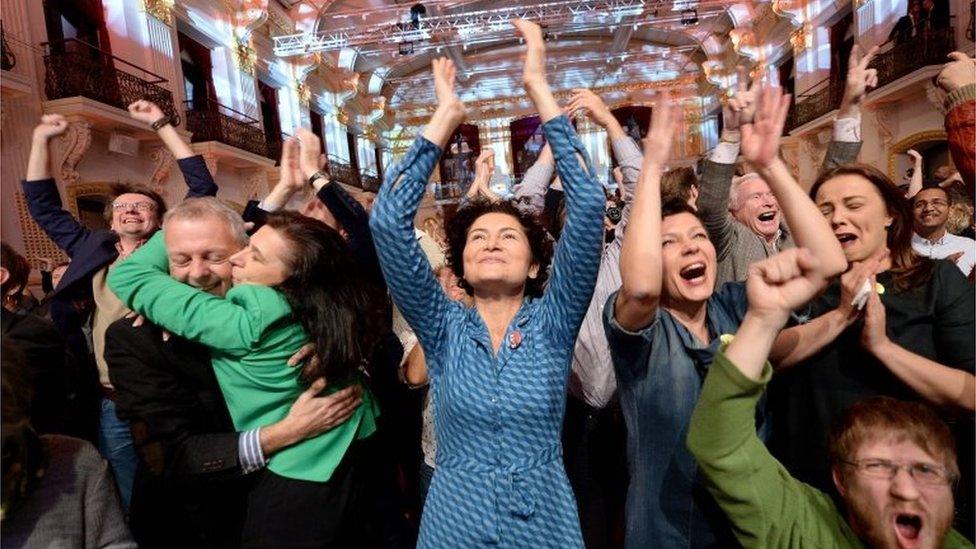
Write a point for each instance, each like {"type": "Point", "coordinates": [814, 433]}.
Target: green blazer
{"type": "Point", "coordinates": [251, 334]}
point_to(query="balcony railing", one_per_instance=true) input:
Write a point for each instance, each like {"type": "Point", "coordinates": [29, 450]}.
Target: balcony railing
{"type": "Point", "coordinates": [822, 98]}
{"type": "Point", "coordinates": [211, 121]}
{"type": "Point", "coordinates": [371, 182]}
{"type": "Point", "coordinates": [341, 171]}
{"type": "Point", "coordinates": [929, 48]}
{"type": "Point", "coordinates": [75, 68]}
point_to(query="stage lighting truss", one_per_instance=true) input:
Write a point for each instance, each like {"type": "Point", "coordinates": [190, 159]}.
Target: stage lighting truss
{"type": "Point", "coordinates": [486, 26]}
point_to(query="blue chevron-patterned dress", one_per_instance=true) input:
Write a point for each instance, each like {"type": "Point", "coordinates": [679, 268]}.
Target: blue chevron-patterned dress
{"type": "Point", "coordinates": [499, 479]}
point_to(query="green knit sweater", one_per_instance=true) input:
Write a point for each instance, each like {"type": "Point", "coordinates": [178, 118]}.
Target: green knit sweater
{"type": "Point", "coordinates": [765, 504]}
{"type": "Point", "coordinates": [251, 334]}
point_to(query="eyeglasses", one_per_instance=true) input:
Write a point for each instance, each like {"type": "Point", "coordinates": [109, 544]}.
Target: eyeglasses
{"type": "Point", "coordinates": [140, 206]}
{"type": "Point", "coordinates": [923, 473]}
{"type": "Point", "coordinates": [937, 203]}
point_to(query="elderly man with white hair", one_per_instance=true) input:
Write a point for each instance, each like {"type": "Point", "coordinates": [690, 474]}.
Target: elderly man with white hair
{"type": "Point", "coordinates": [742, 217]}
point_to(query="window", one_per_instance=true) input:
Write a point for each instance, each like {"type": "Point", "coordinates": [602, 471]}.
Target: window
{"type": "Point", "coordinates": [353, 152]}
{"type": "Point", "coordinates": [197, 73]}
{"type": "Point", "coordinates": [318, 125]}
{"type": "Point", "coordinates": [269, 111]}
{"type": "Point", "coordinates": [81, 20]}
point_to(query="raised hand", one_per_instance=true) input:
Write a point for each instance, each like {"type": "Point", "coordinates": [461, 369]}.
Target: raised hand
{"type": "Point", "coordinates": [309, 153]}
{"type": "Point", "coordinates": [660, 136]}
{"type": "Point", "coordinates": [782, 283]}
{"type": "Point", "coordinates": [958, 72]}
{"type": "Point", "coordinates": [916, 157]}
{"type": "Point", "coordinates": [534, 71]}
{"type": "Point", "coordinates": [760, 139]}
{"type": "Point", "coordinates": [595, 108]}
{"type": "Point", "coordinates": [444, 75]}
{"type": "Point", "coordinates": [145, 111]}
{"type": "Point", "coordinates": [291, 176]}
{"type": "Point", "coordinates": [859, 78]}
{"type": "Point", "coordinates": [741, 107]}
{"type": "Point", "coordinates": [50, 126]}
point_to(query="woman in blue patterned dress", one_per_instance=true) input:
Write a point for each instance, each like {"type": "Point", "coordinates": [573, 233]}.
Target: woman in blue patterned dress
{"type": "Point", "coordinates": [498, 369]}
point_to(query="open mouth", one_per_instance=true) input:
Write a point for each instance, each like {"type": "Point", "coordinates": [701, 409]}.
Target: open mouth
{"type": "Point", "coordinates": [694, 272]}
{"type": "Point", "coordinates": [845, 238]}
{"type": "Point", "coordinates": [766, 217]}
{"type": "Point", "coordinates": [908, 526]}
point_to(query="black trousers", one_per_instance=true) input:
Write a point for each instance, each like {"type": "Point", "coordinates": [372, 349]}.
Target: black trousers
{"type": "Point", "coordinates": [289, 513]}
{"type": "Point", "coordinates": [595, 455]}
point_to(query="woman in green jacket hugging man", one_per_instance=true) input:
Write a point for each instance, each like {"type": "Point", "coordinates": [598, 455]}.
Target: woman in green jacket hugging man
{"type": "Point", "coordinates": [294, 283]}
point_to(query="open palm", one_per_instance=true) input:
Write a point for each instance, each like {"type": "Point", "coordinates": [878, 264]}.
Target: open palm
{"type": "Point", "coordinates": [760, 139]}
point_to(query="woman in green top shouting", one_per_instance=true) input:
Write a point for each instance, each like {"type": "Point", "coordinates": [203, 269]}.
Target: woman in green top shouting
{"type": "Point", "coordinates": [295, 282]}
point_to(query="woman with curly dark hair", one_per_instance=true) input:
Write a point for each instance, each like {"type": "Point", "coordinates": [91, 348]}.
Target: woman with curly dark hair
{"type": "Point", "coordinates": [498, 369]}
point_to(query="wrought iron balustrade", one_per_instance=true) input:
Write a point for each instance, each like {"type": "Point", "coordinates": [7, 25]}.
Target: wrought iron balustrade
{"type": "Point", "coordinates": [928, 48]}
{"type": "Point", "coordinates": [371, 181]}
{"type": "Point", "coordinates": [211, 121]}
{"type": "Point", "coordinates": [824, 97]}
{"type": "Point", "coordinates": [341, 171]}
{"type": "Point", "coordinates": [75, 68]}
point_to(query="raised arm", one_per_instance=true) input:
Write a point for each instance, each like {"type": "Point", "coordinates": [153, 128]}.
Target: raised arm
{"type": "Point", "coordinates": [408, 274]}
{"type": "Point", "coordinates": [41, 192]}
{"type": "Point", "coordinates": [846, 143]}
{"type": "Point", "coordinates": [640, 257]}
{"type": "Point", "coordinates": [916, 183]}
{"type": "Point", "coordinates": [198, 178]}
{"type": "Point", "coordinates": [766, 506]}
{"type": "Point", "coordinates": [718, 169]}
{"type": "Point", "coordinates": [577, 257]}
{"type": "Point", "coordinates": [143, 283]}
{"type": "Point", "coordinates": [958, 80]}
{"type": "Point", "coordinates": [760, 146]}
{"type": "Point", "coordinates": [625, 151]}
{"type": "Point", "coordinates": [350, 214]}
{"type": "Point", "coordinates": [531, 191]}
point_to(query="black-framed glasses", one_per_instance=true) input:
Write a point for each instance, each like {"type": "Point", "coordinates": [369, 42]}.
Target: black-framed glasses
{"type": "Point", "coordinates": [923, 473]}
{"type": "Point", "coordinates": [139, 206]}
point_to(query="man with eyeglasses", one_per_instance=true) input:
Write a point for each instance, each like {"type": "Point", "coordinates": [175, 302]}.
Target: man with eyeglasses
{"type": "Point", "coordinates": [931, 239]}
{"type": "Point", "coordinates": [82, 301]}
{"type": "Point", "coordinates": [893, 462]}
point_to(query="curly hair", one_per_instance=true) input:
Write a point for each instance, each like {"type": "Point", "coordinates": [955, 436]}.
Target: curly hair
{"type": "Point", "coordinates": [540, 244]}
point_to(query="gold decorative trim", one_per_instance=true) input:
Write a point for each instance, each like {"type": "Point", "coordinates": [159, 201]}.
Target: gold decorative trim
{"type": "Point", "coordinates": [245, 58]}
{"type": "Point", "coordinates": [304, 93]}
{"type": "Point", "coordinates": [160, 9]}
{"type": "Point", "coordinates": [907, 143]}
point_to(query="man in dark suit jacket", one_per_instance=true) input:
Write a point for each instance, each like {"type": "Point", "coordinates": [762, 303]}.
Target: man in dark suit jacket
{"type": "Point", "coordinates": [82, 296]}
{"type": "Point", "coordinates": [191, 484]}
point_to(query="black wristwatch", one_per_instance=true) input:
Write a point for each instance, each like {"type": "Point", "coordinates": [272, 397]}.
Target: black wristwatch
{"type": "Point", "coordinates": [161, 122]}
{"type": "Point", "coordinates": [318, 175]}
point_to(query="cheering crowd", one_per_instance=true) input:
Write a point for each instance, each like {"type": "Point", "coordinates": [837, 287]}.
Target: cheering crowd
{"type": "Point", "coordinates": [710, 358]}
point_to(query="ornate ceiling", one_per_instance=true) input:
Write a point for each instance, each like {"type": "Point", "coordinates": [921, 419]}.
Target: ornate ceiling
{"type": "Point", "coordinates": [631, 46]}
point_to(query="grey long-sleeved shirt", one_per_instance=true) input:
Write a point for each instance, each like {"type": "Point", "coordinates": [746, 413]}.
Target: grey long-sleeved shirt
{"type": "Point", "coordinates": [592, 379]}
